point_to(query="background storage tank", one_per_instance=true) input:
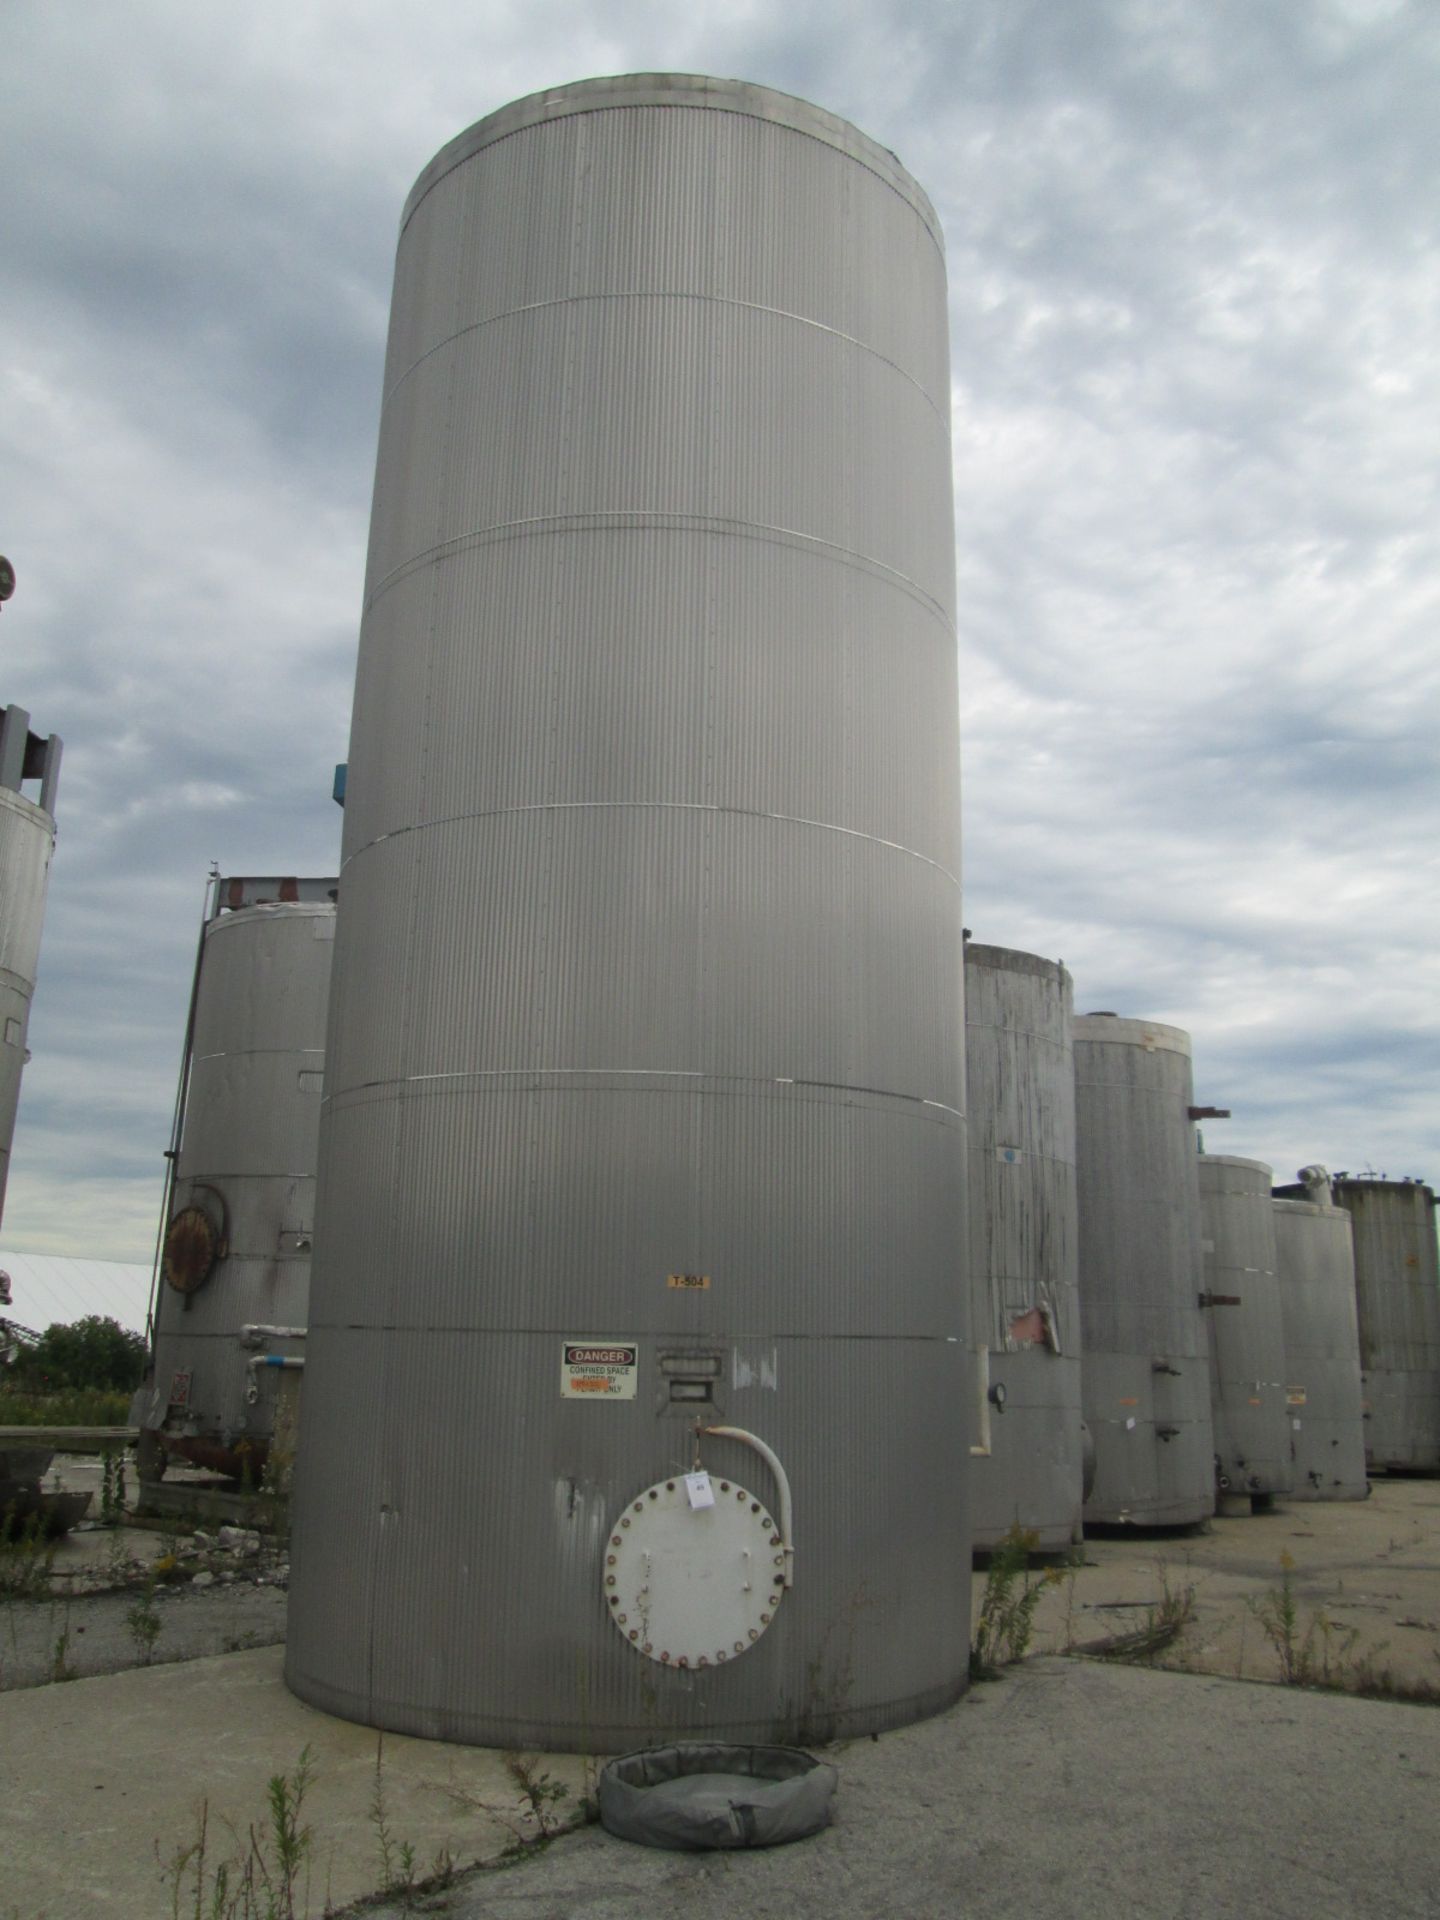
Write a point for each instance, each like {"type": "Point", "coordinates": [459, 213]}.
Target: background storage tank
{"type": "Point", "coordinates": [1315, 1261]}
{"type": "Point", "coordinates": [233, 1295]}
{"type": "Point", "coordinates": [645, 1084]}
{"type": "Point", "coordinates": [1397, 1302]}
{"type": "Point", "coordinates": [27, 840]}
{"type": "Point", "coordinates": [1025, 1314]}
{"type": "Point", "coordinates": [1247, 1343]}
{"type": "Point", "coordinates": [1146, 1375]}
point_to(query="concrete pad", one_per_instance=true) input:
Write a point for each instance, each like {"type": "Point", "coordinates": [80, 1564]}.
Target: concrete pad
{"type": "Point", "coordinates": [102, 1782]}
{"type": "Point", "coordinates": [1364, 1575]}
{"type": "Point", "coordinates": [1069, 1789]}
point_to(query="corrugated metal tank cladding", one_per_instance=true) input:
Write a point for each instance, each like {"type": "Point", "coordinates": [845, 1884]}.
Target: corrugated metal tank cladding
{"type": "Point", "coordinates": [27, 840]}
{"type": "Point", "coordinates": [1020, 1075]}
{"type": "Point", "coordinates": [648, 1018]}
{"type": "Point", "coordinates": [1247, 1343]}
{"type": "Point", "coordinates": [1146, 1371]}
{"type": "Point", "coordinates": [1397, 1299]}
{"type": "Point", "coordinates": [247, 1160]}
{"type": "Point", "coordinates": [1315, 1260]}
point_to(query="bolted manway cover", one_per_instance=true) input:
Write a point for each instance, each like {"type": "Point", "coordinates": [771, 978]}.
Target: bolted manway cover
{"type": "Point", "coordinates": [694, 1574]}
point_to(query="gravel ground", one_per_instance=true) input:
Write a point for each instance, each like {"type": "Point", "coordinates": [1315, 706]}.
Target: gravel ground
{"type": "Point", "coordinates": [104, 1599]}
{"type": "Point", "coordinates": [65, 1638]}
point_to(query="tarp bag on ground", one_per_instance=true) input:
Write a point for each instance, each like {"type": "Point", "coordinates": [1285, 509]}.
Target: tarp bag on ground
{"type": "Point", "coordinates": [698, 1795]}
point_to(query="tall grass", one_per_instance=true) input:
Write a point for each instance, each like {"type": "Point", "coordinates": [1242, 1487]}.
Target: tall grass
{"type": "Point", "coordinates": [72, 1407]}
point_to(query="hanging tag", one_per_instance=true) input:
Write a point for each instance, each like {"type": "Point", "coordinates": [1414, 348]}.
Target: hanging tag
{"type": "Point", "coordinates": [698, 1486]}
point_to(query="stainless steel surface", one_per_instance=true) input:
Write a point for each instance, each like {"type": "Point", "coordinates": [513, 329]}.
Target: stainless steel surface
{"type": "Point", "coordinates": [246, 1160]}
{"type": "Point", "coordinates": [1020, 1074]}
{"type": "Point", "coordinates": [1315, 1261]}
{"type": "Point", "coordinates": [1145, 1377]}
{"type": "Point", "coordinates": [648, 967]}
{"type": "Point", "coordinates": [27, 840]}
{"type": "Point", "coordinates": [1397, 1303]}
{"type": "Point", "coordinates": [1247, 1342]}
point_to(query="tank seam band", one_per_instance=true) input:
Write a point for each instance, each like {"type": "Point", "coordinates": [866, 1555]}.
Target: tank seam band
{"type": "Point", "coordinates": [656, 806]}
{"type": "Point", "coordinates": [670, 293]}
{"type": "Point", "coordinates": [648, 520]}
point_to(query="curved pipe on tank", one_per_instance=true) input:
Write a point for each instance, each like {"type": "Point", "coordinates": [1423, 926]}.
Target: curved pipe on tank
{"type": "Point", "coordinates": [768, 1455]}
{"type": "Point", "coordinates": [981, 1448]}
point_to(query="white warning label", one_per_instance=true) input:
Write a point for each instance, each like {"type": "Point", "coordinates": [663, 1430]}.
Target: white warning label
{"type": "Point", "coordinates": [598, 1369]}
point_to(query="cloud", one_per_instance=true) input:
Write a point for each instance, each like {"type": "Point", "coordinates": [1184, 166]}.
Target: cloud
{"type": "Point", "coordinates": [1194, 296]}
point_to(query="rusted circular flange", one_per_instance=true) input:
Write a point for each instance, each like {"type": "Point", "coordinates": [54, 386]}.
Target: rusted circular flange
{"type": "Point", "coordinates": [191, 1246]}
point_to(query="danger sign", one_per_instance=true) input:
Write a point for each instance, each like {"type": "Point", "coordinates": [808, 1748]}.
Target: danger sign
{"type": "Point", "coordinates": [598, 1369]}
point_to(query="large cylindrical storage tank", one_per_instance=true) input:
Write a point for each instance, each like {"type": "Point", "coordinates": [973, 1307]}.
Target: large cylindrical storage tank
{"type": "Point", "coordinates": [1315, 1262]}
{"type": "Point", "coordinates": [1247, 1342]}
{"type": "Point", "coordinates": [1146, 1373]}
{"type": "Point", "coordinates": [645, 1091]}
{"type": "Point", "coordinates": [233, 1301]}
{"type": "Point", "coordinates": [1025, 1310]}
{"type": "Point", "coordinates": [27, 841]}
{"type": "Point", "coordinates": [1397, 1301]}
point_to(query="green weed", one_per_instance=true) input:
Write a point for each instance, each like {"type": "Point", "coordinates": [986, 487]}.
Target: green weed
{"type": "Point", "coordinates": [144, 1622]}
{"type": "Point", "coordinates": [1309, 1654]}
{"type": "Point", "coordinates": [536, 1816]}
{"type": "Point", "coordinates": [1314, 1653]}
{"type": "Point", "coordinates": [397, 1859]}
{"type": "Point", "coordinates": [112, 1487]}
{"type": "Point", "coordinates": [259, 1878]}
{"type": "Point", "coordinates": [1007, 1607]}
{"type": "Point", "coordinates": [540, 1795]}
{"type": "Point", "coordinates": [60, 1668]}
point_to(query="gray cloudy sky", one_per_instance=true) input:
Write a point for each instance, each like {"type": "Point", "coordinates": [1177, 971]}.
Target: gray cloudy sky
{"type": "Point", "coordinates": [1195, 299]}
